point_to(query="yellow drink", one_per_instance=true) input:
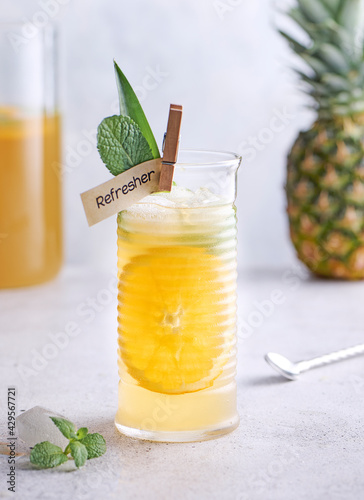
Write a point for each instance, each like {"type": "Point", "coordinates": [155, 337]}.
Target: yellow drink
{"type": "Point", "coordinates": [30, 199]}
{"type": "Point", "coordinates": [177, 317]}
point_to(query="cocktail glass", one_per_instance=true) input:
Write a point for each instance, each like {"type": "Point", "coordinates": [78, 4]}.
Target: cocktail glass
{"type": "Point", "coordinates": [177, 270]}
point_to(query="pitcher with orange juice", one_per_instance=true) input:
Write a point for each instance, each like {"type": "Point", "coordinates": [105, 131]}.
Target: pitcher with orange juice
{"type": "Point", "coordinates": [30, 178]}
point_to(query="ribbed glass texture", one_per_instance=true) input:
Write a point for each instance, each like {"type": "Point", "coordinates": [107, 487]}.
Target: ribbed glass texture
{"type": "Point", "coordinates": [177, 306]}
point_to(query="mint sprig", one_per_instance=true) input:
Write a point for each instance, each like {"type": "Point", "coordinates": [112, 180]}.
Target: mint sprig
{"type": "Point", "coordinates": [82, 446]}
{"type": "Point", "coordinates": [121, 144]}
{"type": "Point", "coordinates": [130, 106]}
{"type": "Point", "coordinates": [126, 140]}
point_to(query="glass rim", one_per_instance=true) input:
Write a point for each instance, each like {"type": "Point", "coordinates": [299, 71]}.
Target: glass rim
{"type": "Point", "coordinates": [229, 158]}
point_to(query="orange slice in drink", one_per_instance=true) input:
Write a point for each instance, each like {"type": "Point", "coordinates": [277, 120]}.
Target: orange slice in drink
{"type": "Point", "coordinates": [176, 321]}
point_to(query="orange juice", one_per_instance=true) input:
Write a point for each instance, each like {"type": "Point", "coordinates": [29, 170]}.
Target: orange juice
{"type": "Point", "coordinates": [30, 198]}
{"type": "Point", "coordinates": [177, 317]}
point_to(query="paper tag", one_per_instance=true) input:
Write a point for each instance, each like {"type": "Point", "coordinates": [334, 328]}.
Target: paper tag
{"type": "Point", "coordinates": [122, 191]}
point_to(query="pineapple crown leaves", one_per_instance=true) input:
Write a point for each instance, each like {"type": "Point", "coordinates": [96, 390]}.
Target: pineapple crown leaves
{"type": "Point", "coordinates": [333, 54]}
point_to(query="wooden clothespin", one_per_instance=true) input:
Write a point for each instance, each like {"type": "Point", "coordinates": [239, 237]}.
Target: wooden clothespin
{"type": "Point", "coordinates": [170, 151]}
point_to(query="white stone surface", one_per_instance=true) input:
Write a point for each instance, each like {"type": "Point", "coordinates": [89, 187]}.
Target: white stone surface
{"type": "Point", "coordinates": [301, 440]}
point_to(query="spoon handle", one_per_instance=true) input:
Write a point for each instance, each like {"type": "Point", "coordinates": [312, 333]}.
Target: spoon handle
{"type": "Point", "coordinates": [330, 358]}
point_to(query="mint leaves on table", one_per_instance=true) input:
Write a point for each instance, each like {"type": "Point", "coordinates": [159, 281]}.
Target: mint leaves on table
{"type": "Point", "coordinates": [126, 140]}
{"type": "Point", "coordinates": [65, 426]}
{"type": "Point", "coordinates": [82, 446]}
{"type": "Point", "coordinates": [78, 453]}
{"type": "Point", "coordinates": [94, 443]}
{"type": "Point", "coordinates": [82, 432]}
{"type": "Point", "coordinates": [47, 455]}
{"type": "Point", "coordinates": [121, 144]}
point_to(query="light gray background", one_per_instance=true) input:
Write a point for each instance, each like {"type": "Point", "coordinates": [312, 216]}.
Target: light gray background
{"type": "Point", "coordinates": [221, 59]}
{"type": "Point", "coordinates": [301, 439]}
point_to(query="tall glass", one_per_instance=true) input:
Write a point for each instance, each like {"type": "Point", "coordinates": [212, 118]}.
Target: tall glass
{"type": "Point", "coordinates": [177, 305]}
{"type": "Point", "coordinates": [30, 187]}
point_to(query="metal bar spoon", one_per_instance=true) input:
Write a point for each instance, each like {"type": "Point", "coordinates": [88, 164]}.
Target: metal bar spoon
{"type": "Point", "coordinates": [292, 370]}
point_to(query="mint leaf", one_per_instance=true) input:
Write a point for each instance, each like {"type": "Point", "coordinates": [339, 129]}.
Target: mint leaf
{"type": "Point", "coordinates": [121, 144]}
{"type": "Point", "coordinates": [81, 446]}
{"type": "Point", "coordinates": [79, 453]}
{"type": "Point", "coordinates": [47, 455]}
{"type": "Point", "coordinates": [65, 426]}
{"type": "Point", "coordinates": [95, 445]}
{"type": "Point", "coordinates": [82, 432]}
{"type": "Point", "coordinates": [130, 106]}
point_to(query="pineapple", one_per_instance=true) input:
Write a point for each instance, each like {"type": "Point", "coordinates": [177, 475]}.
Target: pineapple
{"type": "Point", "coordinates": [325, 168]}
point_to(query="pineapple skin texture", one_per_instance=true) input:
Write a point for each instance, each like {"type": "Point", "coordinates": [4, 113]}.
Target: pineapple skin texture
{"type": "Point", "coordinates": [325, 195]}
